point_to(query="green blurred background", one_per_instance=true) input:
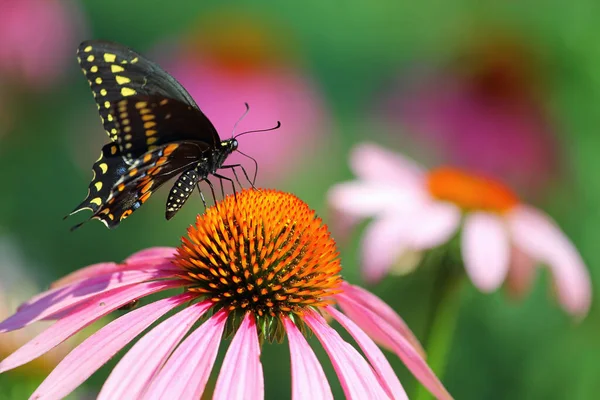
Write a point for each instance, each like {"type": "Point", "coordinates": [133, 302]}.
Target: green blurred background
{"type": "Point", "coordinates": [351, 71]}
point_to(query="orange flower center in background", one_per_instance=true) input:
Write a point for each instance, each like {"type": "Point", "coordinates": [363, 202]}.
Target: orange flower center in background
{"type": "Point", "coordinates": [470, 192]}
{"type": "Point", "coordinates": [262, 251]}
{"type": "Point", "coordinates": [240, 42]}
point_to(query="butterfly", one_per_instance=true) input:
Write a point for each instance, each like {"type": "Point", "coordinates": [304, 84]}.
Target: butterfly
{"type": "Point", "coordinates": [156, 132]}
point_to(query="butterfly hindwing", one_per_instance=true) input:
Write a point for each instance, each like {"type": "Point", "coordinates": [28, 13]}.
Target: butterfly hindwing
{"type": "Point", "coordinates": [146, 122]}
{"type": "Point", "coordinates": [107, 170]}
{"type": "Point", "coordinates": [144, 177]}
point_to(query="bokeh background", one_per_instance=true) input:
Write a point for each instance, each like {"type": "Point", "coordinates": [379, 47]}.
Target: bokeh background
{"type": "Point", "coordinates": [508, 88]}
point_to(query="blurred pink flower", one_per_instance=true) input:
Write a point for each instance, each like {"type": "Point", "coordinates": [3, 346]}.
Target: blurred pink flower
{"type": "Point", "coordinates": [483, 113]}
{"type": "Point", "coordinates": [37, 38]}
{"type": "Point", "coordinates": [240, 264]}
{"type": "Point", "coordinates": [415, 210]}
{"type": "Point", "coordinates": [238, 59]}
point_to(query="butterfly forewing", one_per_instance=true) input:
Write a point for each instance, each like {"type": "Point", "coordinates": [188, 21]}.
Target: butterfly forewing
{"type": "Point", "coordinates": [145, 122]}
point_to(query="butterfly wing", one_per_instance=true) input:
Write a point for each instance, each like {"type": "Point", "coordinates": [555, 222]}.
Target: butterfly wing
{"type": "Point", "coordinates": [145, 122]}
{"type": "Point", "coordinates": [116, 72]}
{"type": "Point", "coordinates": [107, 170]}
{"type": "Point", "coordinates": [136, 184]}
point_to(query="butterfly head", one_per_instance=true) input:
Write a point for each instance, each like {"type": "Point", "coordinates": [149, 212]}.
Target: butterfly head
{"type": "Point", "coordinates": [229, 146]}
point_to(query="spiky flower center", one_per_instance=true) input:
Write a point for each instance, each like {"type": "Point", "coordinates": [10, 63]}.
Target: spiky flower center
{"type": "Point", "coordinates": [262, 251]}
{"type": "Point", "coordinates": [470, 192]}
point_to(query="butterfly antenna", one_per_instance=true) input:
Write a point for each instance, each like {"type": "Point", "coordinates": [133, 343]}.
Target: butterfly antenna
{"type": "Point", "coordinates": [240, 120]}
{"type": "Point", "coordinates": [261, 130]}
{"type": "Point", "coordinates": [255, 167]}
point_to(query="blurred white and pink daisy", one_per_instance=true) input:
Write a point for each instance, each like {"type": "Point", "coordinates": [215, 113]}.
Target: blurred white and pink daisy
{"type": "Point", "coordinates": [502, 239]}
{"type": "Point", "coordinates": [258, 267]}
{"type": "Point", "coordinates": [236, 58]}
{"type": "Point", "coordinates": [37, 38]}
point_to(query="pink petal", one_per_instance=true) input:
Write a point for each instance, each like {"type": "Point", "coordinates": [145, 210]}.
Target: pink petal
{"type": "Point", "coordinates": [381, 331]}
{"type": "Point", "coordinates": [374, 305]}
{"type": "Point", "coordinates": [308, 379]}
{"type": "Point", "coordinates": [87, 272]}
{"type": "Point", "coordinates": [539, 237]}
{"type": "Point", "coordinates": [380, 364]}
{"type": "Point", "coordinates": [355, 374]}
{"type": "Point", "coordinates": [382, 245]}
{"type": "Point", "coordinates": [133, 374]}
{"type": "Point", "coordinates": [432, 224]}
{"type": "Point", "coordinates": [241, 374]}
{"type": "Point", "coordinates": [365, 199]}
{"type": "Point", "coordinates": [521, 272]}
{"type": "Point", "coordinates": [81, 317]}
{"type": "Point", "coordinates": [56, 300]}
{"type": "Point", "coordinates": [151, 254]}
{"type": "Point", "coordinates": [154, 258]}
{"type": "Point", "coordinates": [374, 163]}
{"type": "Point", "coordinates": [485, 250]}
{"type": "Point", "coordinates": [96, 350]}
{"type": "Point", "coordinates": [185, 374]}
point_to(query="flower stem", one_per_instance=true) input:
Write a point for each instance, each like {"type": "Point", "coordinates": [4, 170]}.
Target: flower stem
{"type": "Point", "coordinates": [442, 323]}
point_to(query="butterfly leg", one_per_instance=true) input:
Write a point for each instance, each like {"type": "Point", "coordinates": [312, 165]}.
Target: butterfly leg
{"type": "Point", "coordinates": [233, 167]}
{"type": "Point", "coordinates": [212, 190]}
{"type": "Point", "coordinates": [230, 180]}
{"type": "Point", "coordinates": [201, 195]}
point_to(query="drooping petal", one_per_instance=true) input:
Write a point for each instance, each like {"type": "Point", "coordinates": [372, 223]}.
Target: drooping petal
{"type": "Point", "coordinates": [100, 347]}
{"type": "Point", "coordinates": [538, 236]}
{"type": "Point", "coordinates": [151, 254]}
{"type": "Point", "coordinates": [374, 163]}
{"type": "Point", "coordinates": [185, 374]}
{"type": "Point", "coordinates": [57, 300]}
{"type": "Point", "coordinates": [153, 258]}
{"type": "Point", "coordinates": [431, 224]}
{"type": "Point", "coordinates": [382, 244]}
{"type": "Point", "coordinates": [521, 272]}
{"type": "Point", "coordinates": [485, 250]}
{"type": "Point", "coordinates": [135, 371]}
{"type": "Point", "coordinates": [365, 199]}
{"type": "Point", "coordinates": [355, 374]}
{"type": "Point", "coordinates": [81, 317]}
{"type": "Point", "coordinates": [380, 330]}
{"type": "Point", "coordinates": [308, 379]}
{"type": "Point", "coordinates": [380, 364]}
{"type": "Point", "coordinates": [374, 305]}
{"type": "Point", "coordinates": [85, 273]}
{"type": "Point", "coordinates": [241, 374]}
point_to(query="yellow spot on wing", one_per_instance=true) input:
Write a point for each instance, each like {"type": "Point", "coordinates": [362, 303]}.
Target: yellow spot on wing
{"type": "Point", "coordinates": [134, 60]}
{"type": "Point", "coordinates": [88, 49]}
{"type": "Point", "coordinates": [103, 167]}
{"type": "Point", "coordinates": [121, 80]}
{"type": "Point", "coordinates": [150, 124]}
{"type": "Point", "coordinates": [116, 68]}
{"type": "Point", "coordinates": [94, 68]}
{"type": "Point", "coordinates": [127, 91]}
{"type": "Point", "coordinates": [98, 186]}
{"type": "Point", "coordinates": [148, 117]}
{"type": "Point", "coordinates": [163, 102]}
{"type": "Point", "coordinates": [107, 104]}
{"type": "Point", "coordinates": [108, 57]}
{"type": "Point", "coordinates": [150, 132]}
{"type": "Point", "coordinates": [98, 80]}
{"type": "Point", "coordinates": [110, 117]}
{"type": "Point", "coordinates": [103, 92]}
{"type": "Point", "coordinates": [140, 104]}
{"type": "Point", "coordinates": [97, 201]}
{"type": "Point", "coordinates": [151, 140]}
{"type": "Point", "coordinates": [113, 150]}
{"type": "Point", "coordinates": [113, 131]}
{"type": "Point", "coordinates": [90, 58]}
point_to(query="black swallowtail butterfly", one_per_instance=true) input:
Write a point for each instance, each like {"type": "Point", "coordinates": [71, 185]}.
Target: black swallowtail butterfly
{"type": "Point", "coordinates": [156, 130]}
